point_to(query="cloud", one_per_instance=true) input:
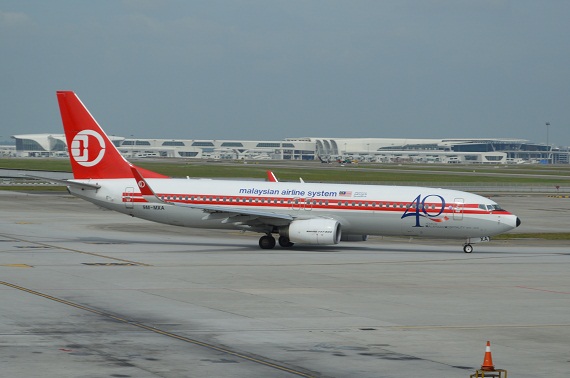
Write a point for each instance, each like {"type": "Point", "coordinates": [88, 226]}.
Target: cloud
{"type": "Point", "coordinates": [10, 20]}
{"type": "Point", "coordinates": [146, 5]}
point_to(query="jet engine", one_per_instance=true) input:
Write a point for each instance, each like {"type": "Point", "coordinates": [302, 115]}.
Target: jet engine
{"type": "Point", "coordinates": [314, 231]}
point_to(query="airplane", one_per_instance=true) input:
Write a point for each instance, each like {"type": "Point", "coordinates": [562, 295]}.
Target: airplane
{"type": "Point", "coordinates": [295, 212]}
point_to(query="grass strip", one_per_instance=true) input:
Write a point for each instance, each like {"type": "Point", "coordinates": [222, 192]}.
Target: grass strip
{"type": "Point", "coordinates": [433, 175]}
{"type": "Point", "coordinates": [535, 235]}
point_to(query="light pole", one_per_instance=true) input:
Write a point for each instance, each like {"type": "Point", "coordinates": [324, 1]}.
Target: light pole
{"type": "Point", "coordinates": [547, 143]}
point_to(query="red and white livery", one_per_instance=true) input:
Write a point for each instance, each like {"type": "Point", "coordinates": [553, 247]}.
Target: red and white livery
{"type": "Point", "coordinates": [297, 212]}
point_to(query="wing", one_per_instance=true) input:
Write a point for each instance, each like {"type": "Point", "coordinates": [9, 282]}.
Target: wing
{"type": "Point", "coordinates": [226, 214]}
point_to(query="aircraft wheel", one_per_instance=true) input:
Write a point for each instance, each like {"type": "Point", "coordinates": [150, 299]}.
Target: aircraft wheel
{"type": "Point", "coordinates": [467, 248]}
{"type": "Point", "coordinates": [267, 242]}
{"type": "Point", "coordinates": [285, 242]}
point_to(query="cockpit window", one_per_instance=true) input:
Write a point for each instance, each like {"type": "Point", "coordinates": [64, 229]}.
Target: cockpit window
{"type": "Point", "coordinates": [494, 207]}
{"type": "Point", "coordinates": [482, 207]}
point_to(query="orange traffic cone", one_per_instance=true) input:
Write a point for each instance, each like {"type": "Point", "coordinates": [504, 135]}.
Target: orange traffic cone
{"type": "Point", "coordinates": [488, 360]}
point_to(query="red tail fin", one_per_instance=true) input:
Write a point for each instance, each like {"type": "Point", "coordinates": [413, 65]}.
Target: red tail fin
{"type": "Point", "coordinates": [91, 152]}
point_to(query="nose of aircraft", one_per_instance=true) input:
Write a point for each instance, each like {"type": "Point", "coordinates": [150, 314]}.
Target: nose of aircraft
{"type": "Point", "coordinates": [510, 222]}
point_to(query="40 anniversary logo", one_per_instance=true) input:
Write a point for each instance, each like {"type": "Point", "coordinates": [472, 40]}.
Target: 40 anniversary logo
{"type": "Point", "coordinates": [419, 209]}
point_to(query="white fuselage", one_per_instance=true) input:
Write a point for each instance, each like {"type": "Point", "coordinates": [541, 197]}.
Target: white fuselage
{"type": "Point", "coordinates": [360, 209]}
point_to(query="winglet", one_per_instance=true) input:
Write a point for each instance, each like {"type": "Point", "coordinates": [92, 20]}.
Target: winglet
{"type": "Point", "coordinates": [271, 177]}
{"type": "Point", "coordinates": [146, 191]}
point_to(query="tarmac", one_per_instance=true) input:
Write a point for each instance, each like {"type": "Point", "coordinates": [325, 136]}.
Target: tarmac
{"type": "Point", "coordinates": [87, 292]}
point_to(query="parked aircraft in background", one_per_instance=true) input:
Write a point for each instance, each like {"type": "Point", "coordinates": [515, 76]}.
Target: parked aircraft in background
{"type": "Point", "coordinates": [296, 212]}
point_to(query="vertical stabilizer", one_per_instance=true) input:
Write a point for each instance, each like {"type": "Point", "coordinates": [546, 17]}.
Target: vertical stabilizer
{"type": "Point", "coordinates": [91, 152]}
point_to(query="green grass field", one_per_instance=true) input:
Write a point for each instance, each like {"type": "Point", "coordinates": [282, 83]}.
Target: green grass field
{"type": "Point", "coordinates": [37, 164]}
{"type": "Point", "coordinates": [536, 235]}
{"type": "Point", "coordinates": [315, 172]}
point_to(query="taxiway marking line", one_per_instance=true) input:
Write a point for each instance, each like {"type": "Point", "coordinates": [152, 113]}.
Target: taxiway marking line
{"type": "Point", "coordinates": [479, 326]}
{"type": "Point", "coordinates": [16, 265]}
{"type": "Point", "coordinates": [545, 290]}
{"type": "Point", "coordinates": [74, 250]}
{"type": "Point", "coordinates": [160, 331]}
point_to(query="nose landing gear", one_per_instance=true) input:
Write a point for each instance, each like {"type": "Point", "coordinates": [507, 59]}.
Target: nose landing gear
{"type": "Point", "coordinates": [467, 248]}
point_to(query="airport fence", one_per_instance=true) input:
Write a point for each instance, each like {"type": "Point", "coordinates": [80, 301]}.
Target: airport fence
{"type": "Point", "coordinates": [483, 188]}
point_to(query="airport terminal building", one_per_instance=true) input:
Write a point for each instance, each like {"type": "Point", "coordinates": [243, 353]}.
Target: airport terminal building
{"type": "Point", "coordinates": [381, 150]}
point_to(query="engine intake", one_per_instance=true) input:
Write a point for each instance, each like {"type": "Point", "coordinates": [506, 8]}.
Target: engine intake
{"type": "Point", "coordinates": [314, 231]}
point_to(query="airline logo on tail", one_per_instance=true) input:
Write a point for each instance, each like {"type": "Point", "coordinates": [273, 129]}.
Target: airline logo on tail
{"type": "Point", "coordinates": [92, 154]}
{"type": "Point", "coordinates": [82, 151]}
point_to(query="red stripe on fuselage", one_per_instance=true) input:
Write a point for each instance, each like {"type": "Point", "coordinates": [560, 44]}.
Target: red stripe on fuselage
{"type": "Point", "coordinates": [312, 203]}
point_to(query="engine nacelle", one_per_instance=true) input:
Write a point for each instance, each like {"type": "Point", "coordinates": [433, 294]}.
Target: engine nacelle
{"type": "Point", "coordinates": [314, 231]}
{"type": "Point", "coordinates": [353, 237]}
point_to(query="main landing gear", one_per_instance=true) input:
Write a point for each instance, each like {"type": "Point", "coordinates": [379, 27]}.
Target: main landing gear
{"type": "Point", "coordinates": [268, 242]}
{"type": "Point", "coordinates": [285, 242]}
{"type": "Point", "coordinates": [467, 248]}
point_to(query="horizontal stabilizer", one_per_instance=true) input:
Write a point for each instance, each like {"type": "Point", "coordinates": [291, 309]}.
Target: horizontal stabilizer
{"type": "Point", "coordinates": [77, 184]}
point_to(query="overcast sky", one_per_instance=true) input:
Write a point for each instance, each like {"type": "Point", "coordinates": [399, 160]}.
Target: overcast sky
{"type": "Point", "coordinates": [263, 69]}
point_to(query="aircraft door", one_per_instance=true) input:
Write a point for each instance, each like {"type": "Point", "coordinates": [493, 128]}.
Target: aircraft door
{"type": "Point", "coordinates": [298, 203]}
{"type": "Point", "coordinates": [128, 197]}
{"type": "Point", "coordinates": [458, 206]}
{"type": "Point", "coordinates": [302, 203]}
